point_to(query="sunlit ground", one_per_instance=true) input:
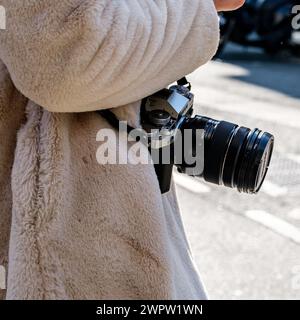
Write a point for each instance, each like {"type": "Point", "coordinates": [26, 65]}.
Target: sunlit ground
{"type": "Point", "coordinates": [248, 247]}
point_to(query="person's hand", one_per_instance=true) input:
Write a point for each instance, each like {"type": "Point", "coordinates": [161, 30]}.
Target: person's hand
{"type": "Point", "coordinates": [227, 5]}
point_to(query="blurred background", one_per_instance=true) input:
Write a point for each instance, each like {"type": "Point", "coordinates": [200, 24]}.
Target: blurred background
{"type": "Point", "coordinates": [245, 246]}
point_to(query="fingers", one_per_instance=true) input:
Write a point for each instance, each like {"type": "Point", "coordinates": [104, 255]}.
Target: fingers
{"type": "Point", "coordinates": [227, 5]}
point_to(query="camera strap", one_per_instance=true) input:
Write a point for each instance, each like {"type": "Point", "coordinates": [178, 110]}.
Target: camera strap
{"type": "Point", "coordinates": [111, 118]}
{"type": "Point", "coordinates": [184, 82]}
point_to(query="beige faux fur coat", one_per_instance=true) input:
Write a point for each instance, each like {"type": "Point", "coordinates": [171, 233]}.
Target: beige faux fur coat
{"type": "Point", "coordinates": [69, 227]}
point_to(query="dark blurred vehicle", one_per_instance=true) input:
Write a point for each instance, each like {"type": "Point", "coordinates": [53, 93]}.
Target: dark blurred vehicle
{"type": "Point", "coordinates": [261, 23]}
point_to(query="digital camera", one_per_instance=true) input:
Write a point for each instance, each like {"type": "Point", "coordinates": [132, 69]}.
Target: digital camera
{"type": "Point", "coordinates": [234, 156]}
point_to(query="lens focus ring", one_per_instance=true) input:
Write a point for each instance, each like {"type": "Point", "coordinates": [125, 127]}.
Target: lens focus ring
{"type": "Point", "coordinates": [233, 156]}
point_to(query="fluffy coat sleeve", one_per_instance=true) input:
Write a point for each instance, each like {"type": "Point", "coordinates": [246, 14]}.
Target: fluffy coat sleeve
{"type": "Point", "coordinates": [83, 55]}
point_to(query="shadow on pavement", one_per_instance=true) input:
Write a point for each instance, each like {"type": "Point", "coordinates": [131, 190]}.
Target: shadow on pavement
{"type": "Point", "coordinates": [280, 73]}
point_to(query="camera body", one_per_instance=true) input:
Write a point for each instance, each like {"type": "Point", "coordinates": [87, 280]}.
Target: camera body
{"type": "Point", "coordinates": [164, 113]}
{"type": "Point", "coordinates": [233, 156]}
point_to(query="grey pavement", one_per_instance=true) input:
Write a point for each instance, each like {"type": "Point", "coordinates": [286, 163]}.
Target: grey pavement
{"type": "Point", "coordinates": [245, 246]}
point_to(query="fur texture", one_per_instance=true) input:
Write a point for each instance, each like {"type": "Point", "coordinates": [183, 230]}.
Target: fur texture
{"type": "Point", "coordinates": [69, 227]}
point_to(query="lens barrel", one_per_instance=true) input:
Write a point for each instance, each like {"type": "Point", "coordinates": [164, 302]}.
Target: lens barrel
{"type": "Point", "coordinates": [234, 156]}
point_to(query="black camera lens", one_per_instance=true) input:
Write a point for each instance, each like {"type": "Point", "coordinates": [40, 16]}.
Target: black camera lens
{"type": "Point", "coordinates": [234, 156]}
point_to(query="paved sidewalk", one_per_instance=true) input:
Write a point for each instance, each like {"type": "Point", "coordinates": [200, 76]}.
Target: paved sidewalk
{"type": "Point", "coordinates": [248, 247]}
